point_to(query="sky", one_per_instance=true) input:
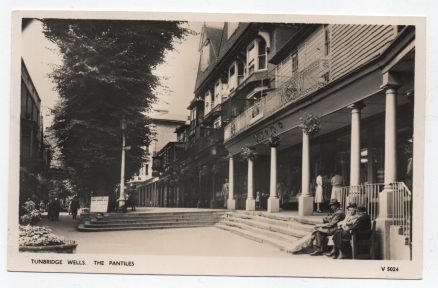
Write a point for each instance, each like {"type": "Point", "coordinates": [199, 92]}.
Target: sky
{"type": "Point", "coordinates": [177, 73]}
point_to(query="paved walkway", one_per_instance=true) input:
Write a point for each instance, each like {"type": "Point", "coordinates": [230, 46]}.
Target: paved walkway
{"type": "Point", "coordinates": [202, 241]}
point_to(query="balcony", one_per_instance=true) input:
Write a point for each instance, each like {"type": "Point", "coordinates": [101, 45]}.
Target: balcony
{"type": "Point", "coordinates": [288, 91]}
{"type": "Point", "coordinates": [205, 142]}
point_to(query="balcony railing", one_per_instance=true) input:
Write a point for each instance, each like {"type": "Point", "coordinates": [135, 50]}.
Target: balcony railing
{"type": "Point", "coordinates": [289, 90]}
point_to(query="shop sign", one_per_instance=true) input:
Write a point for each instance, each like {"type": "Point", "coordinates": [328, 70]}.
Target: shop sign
{"type": "Point", "coordinates": [268, 132]}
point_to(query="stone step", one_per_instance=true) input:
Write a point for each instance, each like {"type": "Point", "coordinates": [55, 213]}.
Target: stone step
{"type": "Point", "coordinates": [164, 214]}
{"type": "Point", "coordinates": [281, 236]}
{"type": "Point", "coordinates": [149, 224]}
{"type": "Point", "coordinates": [152, 219]}
{"type": "Point", "coordinates": [83, 228]}
{"type": "Point", "coordinates": [286, 223]}
{"type": "Point", "coordinates": [303, 220]}
{"type": "Point", "coordinates": [282, 245]}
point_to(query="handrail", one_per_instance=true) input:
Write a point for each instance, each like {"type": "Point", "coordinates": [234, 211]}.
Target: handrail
{"type": "Point", "coordinates": [402, 209]}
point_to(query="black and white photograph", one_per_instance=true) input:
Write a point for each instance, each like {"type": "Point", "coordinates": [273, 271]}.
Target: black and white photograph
{"type": "Point", "coordinates": [241, 145]}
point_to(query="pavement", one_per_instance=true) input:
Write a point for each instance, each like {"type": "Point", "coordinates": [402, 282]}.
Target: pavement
{"type": "Point", "coordinates": [200, 241]}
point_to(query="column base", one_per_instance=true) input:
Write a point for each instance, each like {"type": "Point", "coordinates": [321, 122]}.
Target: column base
{"type": "Point", "coordinates": [305, 205]}
{"type": "Point", "coordinates": [250, 205]}
{"type": "Point", "coordinates": [122, 202]}
{"type": "Point", "coordinates": [383, 226]}
{"type": "Point", "coordinates": [231, 204]}
{"type": "Point", "coordinates": [273, 204]}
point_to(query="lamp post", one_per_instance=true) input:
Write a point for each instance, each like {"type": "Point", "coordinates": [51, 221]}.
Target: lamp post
{"type": "Point", "coordinates": [122, 170]}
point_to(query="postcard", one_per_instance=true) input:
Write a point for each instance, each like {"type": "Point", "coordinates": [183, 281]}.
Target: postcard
{"type": "Point", "coordinates": [217, 144]}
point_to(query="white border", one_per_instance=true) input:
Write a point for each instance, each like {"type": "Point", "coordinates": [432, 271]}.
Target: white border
{"type": "Point", "coordinates": [385, 7]}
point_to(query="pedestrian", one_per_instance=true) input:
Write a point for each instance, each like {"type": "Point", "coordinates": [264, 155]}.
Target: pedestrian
{"type": "Point", "coordinates": [132, 200]}
{"type": "Point", "coordinates": [337, 181]}
{"type": "Point", "coordinates": [225, 191]}
{"type": "Point", "coordinates": [319, 193]}
{"type": "Point", "coordinates": [74, 206]}
{"type": "Point", "coordinates": [257, 200]}
{"type": "Point", "coordinates": [56, 208]}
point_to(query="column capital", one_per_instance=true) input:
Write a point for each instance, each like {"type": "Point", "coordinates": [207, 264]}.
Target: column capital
{"type": "Point", "coordinates": [390, 86]}
{"type": "Point", "coordinates": [356, 106]}
{"type": "Point", "coordinates": [274, 141]}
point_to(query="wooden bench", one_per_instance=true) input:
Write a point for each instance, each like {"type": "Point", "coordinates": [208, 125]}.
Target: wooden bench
{"type": "Point", "coordinates": [363, 244]}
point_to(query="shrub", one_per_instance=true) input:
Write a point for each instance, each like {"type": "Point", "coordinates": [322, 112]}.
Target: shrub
{"type": "Point", "coordinates": [38, 236]}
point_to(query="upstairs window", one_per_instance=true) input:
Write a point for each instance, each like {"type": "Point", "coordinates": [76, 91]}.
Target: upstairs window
{"type": "Point", "coordinates": [262, 54]}
{"type": "Point", "coordinates": [326, 40]}
{"type": "Point", "coordinates": [256, 57]}
{"type": "Point", "coordinates": [294, 62]}
{"type": "Point", "coordinates": [218, 92]}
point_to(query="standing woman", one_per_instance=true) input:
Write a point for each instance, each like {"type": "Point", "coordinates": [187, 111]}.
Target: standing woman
{"type": "Point", "coordinates": [337, 181]}
{"type": "Point", "coordinates": [319, 194]}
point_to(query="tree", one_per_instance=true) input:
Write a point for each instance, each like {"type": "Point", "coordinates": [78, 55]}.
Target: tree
{"type": "Point", "coordinates": [106, 73]}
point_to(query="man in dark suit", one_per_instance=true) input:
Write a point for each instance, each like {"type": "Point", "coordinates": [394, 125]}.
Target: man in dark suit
{"type": "Point", "coordinates": [342, 237]}
{"type": "Point", "coordinates": [322, 231]}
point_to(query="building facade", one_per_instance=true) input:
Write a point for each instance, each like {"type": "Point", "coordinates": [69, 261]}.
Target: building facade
{"type": "Point", "coordinates": [163, 130]}
{"type": "Point", "coordinates": [298, 101]}
{"type": "Point", "coordinates": [34, 150]}
{"type": "Point", "coordinates": [276, 105]}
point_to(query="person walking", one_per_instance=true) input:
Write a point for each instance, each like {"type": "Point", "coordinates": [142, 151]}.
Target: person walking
{"type": "Point", "coordinates": [74, 206]}
{"type": "Point", "coordinates": [225, 191]}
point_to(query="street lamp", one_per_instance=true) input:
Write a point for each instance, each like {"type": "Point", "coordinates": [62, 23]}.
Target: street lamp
{"type": "Point", "coordinates": [122, 170]}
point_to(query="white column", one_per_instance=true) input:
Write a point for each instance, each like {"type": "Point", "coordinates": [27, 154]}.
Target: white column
{"type": "Point", "coordinates": [273, 201]}
{"type": "Point", "coordinates": [383, 222]}
{"type": "Point", "coordinates": [231, 202]}
{"type": "Point", "coordinates": [355, 144]}
{"type": "Point", "coordinates": [305, 202]}
{"type": "Point", "coordinates": [250, 201]}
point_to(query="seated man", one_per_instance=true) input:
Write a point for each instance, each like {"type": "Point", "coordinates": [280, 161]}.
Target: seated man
{"type": "Point", "coordinates": [341, 238]}
{"type": "Point", "coordinates": [322, 231]}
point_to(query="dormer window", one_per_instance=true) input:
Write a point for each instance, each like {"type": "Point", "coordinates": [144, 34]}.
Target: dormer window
{"type": "Point", "coordinates": [205, 56]}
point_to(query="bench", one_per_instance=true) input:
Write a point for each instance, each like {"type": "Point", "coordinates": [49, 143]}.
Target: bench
{"type": "Point", "coordinates": [363, 244]}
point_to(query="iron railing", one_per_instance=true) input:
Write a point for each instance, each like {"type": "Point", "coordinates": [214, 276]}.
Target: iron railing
{"type": "Point", "coordinates": [287, 91]}
{"type": "Point", "coordinates": [366, 195]}
{"type": "Point", "coordinates": [402, 209]}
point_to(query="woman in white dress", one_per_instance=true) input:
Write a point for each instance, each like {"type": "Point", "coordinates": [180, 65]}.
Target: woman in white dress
{"type": "Point", "coordinates": [319, 194]}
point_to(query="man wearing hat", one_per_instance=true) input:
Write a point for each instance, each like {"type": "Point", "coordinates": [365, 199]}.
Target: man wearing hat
{"type": "Point", "coordinates": [328, 228]}
{"type": "Point", "coordinates": [358, 222]}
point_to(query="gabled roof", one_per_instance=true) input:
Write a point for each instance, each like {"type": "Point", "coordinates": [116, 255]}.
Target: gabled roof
{"type": "Point", "coordinates": [225, 45]}
{"type": "Point", "coordinates": [214, 35]}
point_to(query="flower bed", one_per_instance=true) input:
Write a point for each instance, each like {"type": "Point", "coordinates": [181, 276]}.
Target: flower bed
{"type": "Point", "coordinates": [41, 239]}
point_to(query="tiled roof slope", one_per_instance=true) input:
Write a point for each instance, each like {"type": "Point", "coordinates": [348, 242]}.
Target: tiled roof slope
{"type": "Point", "coordinates": [223, 46]}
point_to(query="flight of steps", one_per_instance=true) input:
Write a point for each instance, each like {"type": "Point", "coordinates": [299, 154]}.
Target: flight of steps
{"type": "Point", "coordinates": [144, 221]}
{"type": "Point", "coordinates": [288, 233]}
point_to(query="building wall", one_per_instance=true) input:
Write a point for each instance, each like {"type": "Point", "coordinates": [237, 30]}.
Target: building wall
{"type": "Point", "coordinates": [354, 45]}
{"type": "Point", "coordinates": [31, 136]}
{"type": "Point", "coordinates": [165, 133]}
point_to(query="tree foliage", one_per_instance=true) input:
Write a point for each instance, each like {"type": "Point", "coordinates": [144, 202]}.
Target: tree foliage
{"type": "Point", "coordinates": [106, 72]}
